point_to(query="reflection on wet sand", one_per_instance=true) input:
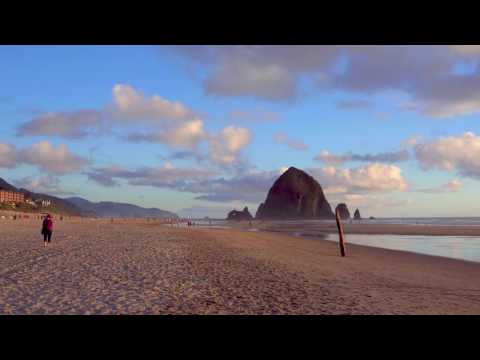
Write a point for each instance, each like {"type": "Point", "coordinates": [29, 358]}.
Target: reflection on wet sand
{"type": "Point", "coordinates": [452, 241]}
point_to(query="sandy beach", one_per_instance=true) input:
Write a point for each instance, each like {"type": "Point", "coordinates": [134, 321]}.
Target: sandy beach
{"type": "Point", "coordinates": [365, 228]}
{"type": "Point", "coordinates": [98, 267]}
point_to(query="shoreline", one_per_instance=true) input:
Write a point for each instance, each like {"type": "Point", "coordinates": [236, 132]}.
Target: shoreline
{"type": "Point", "coordinates": [369, 229]}
{"type": "Point", "coordinates": [463, 246]}
{"type": "Point", "coordinates": [329, 242]}
{"type": "Point", "coordinates": [347, 244]}
{"type": "Point", "coordinates": [403, 273]}
{"type": "Point", "coordinates": [141, 268]}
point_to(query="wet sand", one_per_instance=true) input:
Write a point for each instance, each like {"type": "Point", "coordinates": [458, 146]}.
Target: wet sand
{"type": "Point", "coordinates": [363, 228]}
{"type": "Point", "coordinates": [98, 267]}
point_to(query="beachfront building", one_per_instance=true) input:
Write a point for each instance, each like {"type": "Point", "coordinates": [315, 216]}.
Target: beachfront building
{"type": "Point", "coordinates": [31, 202]}
{"type": "Point", "coordinates": [44, 203]}
{"type": "Point", "coordinates": [11, 197]}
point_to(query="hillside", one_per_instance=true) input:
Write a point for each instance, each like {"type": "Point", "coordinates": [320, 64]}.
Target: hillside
{"type": "Point", "coordinates": [6, 186]}
{"type": "Point", "coordinates": [114, 209]}
{"type": "Point", "coordinates": [58, 205]}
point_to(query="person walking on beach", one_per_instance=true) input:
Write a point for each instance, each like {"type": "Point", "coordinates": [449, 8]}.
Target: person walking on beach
{"type": "Point", "coordinates": [47, 229]}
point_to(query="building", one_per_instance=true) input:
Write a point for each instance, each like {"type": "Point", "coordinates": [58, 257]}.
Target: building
{"type": "Point", "coordinates": [11, 196]}
{"type": "Point", "coordinates": [30, 202]}
{"type": "Point", "coordinates": [43, 203]}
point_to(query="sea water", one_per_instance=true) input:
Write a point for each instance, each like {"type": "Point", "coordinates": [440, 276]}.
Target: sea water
{"type": "Point", "coordinates": [456, 247]}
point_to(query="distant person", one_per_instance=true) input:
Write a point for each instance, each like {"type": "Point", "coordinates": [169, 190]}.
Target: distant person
{"type": "Point", "coordinates": [47, 229]}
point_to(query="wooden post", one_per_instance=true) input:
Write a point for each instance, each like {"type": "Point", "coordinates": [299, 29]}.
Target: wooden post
{"type": "Point", "coordinates": [340, 233]}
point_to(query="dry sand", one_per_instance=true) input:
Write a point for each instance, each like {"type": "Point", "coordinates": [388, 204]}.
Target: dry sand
{"type": "Point", "coordinates": [98, 267]}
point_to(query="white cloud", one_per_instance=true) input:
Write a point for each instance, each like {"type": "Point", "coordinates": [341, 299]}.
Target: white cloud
{"type": "Point", "coordinates": [179, 127]}
{"type": "Point", "coordinates": [367, 203]}
{"type": "Point", "coordinates": [425, 73]}
{"type": "Point", "coordinates": [188, 133]}
{"type": "Point", "coordinates": [131, 104]}
{"type": "Point", "coordinates": [160, 120]}
{"type": "Point", "coordinates": [335, 189]}
{"type": "Point", "coordinates": [44, 155]}
{"type": "Point", "coordinates": [282, 138]}
{"type": "Point", "coordinates": [166, 176]}
{"type": "Point", "coordinates": [368, 178]}
{"type": "Point", "coordinates": [49, 159]}
{"type": "Point", "coordinates": [73, 125]}
{"type": "Point", "coordinates": [257, 115]}
{"type": "Point", "coordinates": [328, 158]}
{"type": "Point", "coordinates": [450, 108]}
{"type": "Point", "coordinates": [466, 50]}
{"type": "Point", "coordinates": [185, 135]}
{"type": "Point", "coordinates": [411, 141]}
{"type": "Point", "coordinates": [8, 156]}
{"type": "Point", "coordinates": [387, 157]}
{"type": "Point", "coordinates": [269, 81]}
{"type": "Point", "coordinates": [172, 122]}
{"type": "Point", "coordinates": [268, 72]}
{"type": "Point", "coordinates": [225, 147]}
{"type": "Point", "coordinates": [452, 186]}
{"type": "Point", "coordinates": [460, 153]}
{"type": "Point", "coordinates": [249, 188]}
{"type": "Point", "coordinates": [45, 184]}
{"type": "Point", "coordinates": [353, 104]}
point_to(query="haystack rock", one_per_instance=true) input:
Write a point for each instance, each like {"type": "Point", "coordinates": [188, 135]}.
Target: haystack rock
{"type": "Point", "coordinates": [343, 210]}
{"type": "Point", "coordinates": [356, 215]}
{"type": "Point", "coordinates": [295, 195]}
{"type": "Point", "coordinates": [240, 215]}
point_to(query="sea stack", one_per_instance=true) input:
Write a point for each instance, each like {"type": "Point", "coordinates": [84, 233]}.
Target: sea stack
{"type": "Point", "coordinates": [343, 210]}
{"type": "Point", "coordinates": [240, 215]}
{"type": "Point", "coordinates": [356, 215]}
{"type": "Point", "coordinates": [295, 195]}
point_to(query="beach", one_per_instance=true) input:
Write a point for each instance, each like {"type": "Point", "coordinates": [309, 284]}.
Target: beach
{"type": "Point", "coordinates": [367, 228]}
{"type": "Point", "coordinates": [100, 267]}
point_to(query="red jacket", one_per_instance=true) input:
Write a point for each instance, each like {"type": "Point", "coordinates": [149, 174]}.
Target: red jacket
{"type": "Point", "coordinates": [47, 225]}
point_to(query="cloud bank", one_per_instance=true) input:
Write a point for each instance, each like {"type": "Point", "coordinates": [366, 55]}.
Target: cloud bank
{"type": "Point", "coordinates": [160, 121]}
{"type": "Point", "coordinates": [452, 153]}
{"type": "Point", "coordinates": [295, 144]}
{"type": "Point", "coordinates": [387, 157]}
{"type": "Point", "coordinates": [270, 72]}
{"type": "Point", "coordinates": [45, 156]}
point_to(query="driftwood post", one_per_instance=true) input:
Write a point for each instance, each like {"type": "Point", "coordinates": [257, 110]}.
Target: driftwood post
{"type": "Point", "coordinates": [340, 233]}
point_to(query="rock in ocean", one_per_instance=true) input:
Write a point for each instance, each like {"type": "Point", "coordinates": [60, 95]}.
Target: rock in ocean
{"type": "Point", "coordinates": [295, 195]}
{"type": "Point", "coordinates": [343, 209]}
{"type": "Point", "coordinates": [357, 215]}
{"type": "Point", "coordinates": [240, 215]}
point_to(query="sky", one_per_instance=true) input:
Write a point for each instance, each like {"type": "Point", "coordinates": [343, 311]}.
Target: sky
{"type": "Point", "coordinates": [201, 130]}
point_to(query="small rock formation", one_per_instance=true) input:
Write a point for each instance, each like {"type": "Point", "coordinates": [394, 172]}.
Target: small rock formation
{"type": "Point", "coordinates": [259, 210]}
{"type": "Point", "coordinates": [240, 215]}
{"type": "Point", "coordinates": [343, 210]}
{"type": "Point", "coordinates": [295, 195]}
{"type": "Point", "coordinates": [357, 215]}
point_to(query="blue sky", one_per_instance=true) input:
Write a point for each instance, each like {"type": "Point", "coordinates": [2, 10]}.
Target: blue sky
{"type": "Point", "coordinates": [392, 130]}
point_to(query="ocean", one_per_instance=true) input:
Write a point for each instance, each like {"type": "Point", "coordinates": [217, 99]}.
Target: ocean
{"type": "Point", "coordinates": [455, 247]}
